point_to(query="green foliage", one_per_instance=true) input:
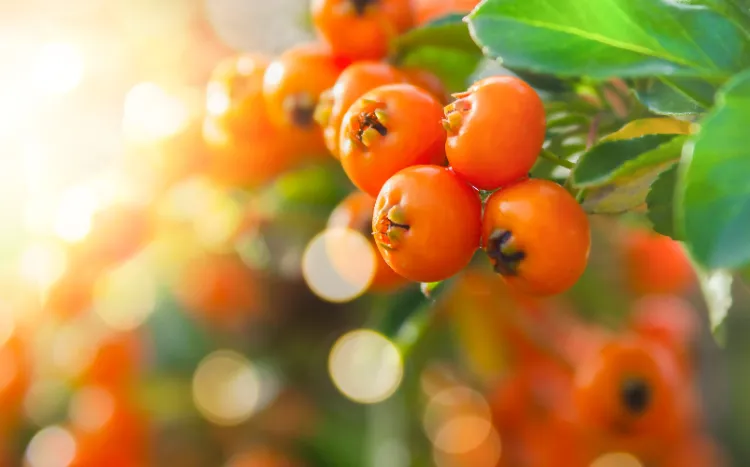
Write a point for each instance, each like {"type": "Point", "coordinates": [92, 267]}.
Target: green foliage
{"type": "Point", "coordinates": [605, 38]}
{"type": "Point", "coordinates": [443, 47]}
{"type": "Point", "coordinates": [660, 203]}
{"type": "Point", "coordinates": [677, 96]}
{"type": "Point", "coordinates": [714, 192]}
{"type": "Point", "coordinates": [618, 174]}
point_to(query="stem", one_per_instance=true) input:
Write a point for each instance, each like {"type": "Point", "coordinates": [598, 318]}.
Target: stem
{"type": "Point", "coordinates": [546, 154]}
{"type": "Point", "coordinates": [413, 329]}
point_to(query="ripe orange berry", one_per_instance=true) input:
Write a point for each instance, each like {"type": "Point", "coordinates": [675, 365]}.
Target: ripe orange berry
{"type": "Point", "coordinates": [390, 128]}
{"type": "Point", "coordinates": [629, 395]}
{"type": "Point", "coordinates": [655, 264]}
{"type": "Point", "coordinates": [495, 131]}
{"type": "Point", "coordinates": [427, 223]}
{"type": "Point", "coordinates": [537, 236]}
{"type": "Point", "coordinates": [361, 29]}
{"type": "Point", "coordinates": [355, 212]}
{"type": "Point", "coordinates": [292, 85]}
{"type": "Point", "coordinates": [426, 11]}
{"type": "Point", "coordinates": [355, 81]}
{"type": "Point", "coordinates": [232, 90]}
{"type": "Point", "coordinates": [246, 147]}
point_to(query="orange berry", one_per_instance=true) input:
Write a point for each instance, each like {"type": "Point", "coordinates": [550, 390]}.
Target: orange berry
{"type": "Point", "coordinates": [355, 212]}
{"type": "Point", "coordinates": [292, 85]}
{"type": "Point", "coordinates": [356, 80]}
{"type": "Point", "coordinates": [655, 264]}
{"type": "Point", "coordinates": [361, 29]}
{"type": "Point", "coordinates": [388, 129]}
{"type": "Point", "coordinates": [246, 147]}
{"type": "Point", "coordinates": [629, 396]}
{"type": "Point", "coordinates": [495, 132]}
{"type": "Point", "coordinates": [537, 236]}
{"type": "Point", "coordinates": [427, 223]}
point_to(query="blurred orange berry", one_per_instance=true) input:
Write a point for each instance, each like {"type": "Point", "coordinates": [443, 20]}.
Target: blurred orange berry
{"type": "Point", "coordinates": [655, 264]}
{"type": "Point", "coordinates": [219, 289]}
{"type": "Point", "coordinates": [355, 212]}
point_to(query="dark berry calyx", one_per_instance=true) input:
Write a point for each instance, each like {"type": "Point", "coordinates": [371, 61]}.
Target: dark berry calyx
{"type": "Point", "coordinates": [635, 395]}
{"type": "Point", "coordinates": [505, 256]}
{"type": "Point", "coordinates": [360, 6]}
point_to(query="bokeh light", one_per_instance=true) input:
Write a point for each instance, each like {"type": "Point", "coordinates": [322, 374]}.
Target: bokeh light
{"type": "Point", "coordinates": [616, 459]}
{"type": "Point", "coordinates": [58, 68]}
{"type": "Point", "coordinates": [486, 454]}
{"type": "Point", "coordinates": [365, 366]}
{"type": "Point", "coordinates": [91, 408]}
{"type": "Point", "coordinates": [152, 114]}
{"type": "Point", "coordinates": [457, 420]}
{"type": "Point", "coordinates": [52, 446]}
{"type": "Point", "coordinates": [43, 263]}
{"type": "Point", "coordinates": [227, 388]}
{"type": "Point", "coordinates": [75, 212]}
{"type": "Point", "coordinates": [339, 264]}
{"type": "Point", "coordinates": [44, 400]}
{"type": "Point", "coordinates": [126, 296]}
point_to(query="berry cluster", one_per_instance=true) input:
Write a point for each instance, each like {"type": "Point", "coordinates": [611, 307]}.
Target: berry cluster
{"type": "Point", "coordinates": [429, 219]}
{"type": "Point", "coordinates": [400, 140]}
{"type": "Point", "coordinates": [571, 393]}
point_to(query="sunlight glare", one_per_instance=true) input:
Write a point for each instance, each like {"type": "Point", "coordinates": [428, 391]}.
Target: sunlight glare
{"type": "Point", "coordinates": [75, 213]}
{"type": "Point", "coordinates": [153, 114]}
{"type": "Point", "coordinates": [58, 68]}
{"type": "Point", "coordinates": [43, 263]}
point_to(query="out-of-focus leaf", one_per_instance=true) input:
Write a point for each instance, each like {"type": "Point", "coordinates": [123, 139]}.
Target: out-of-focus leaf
{"type": "Point", "coordinates": [443, 47]}
{"type": "Point", "coordinates": [677, 96]}
{"type": "Point", "coordinates": [448, 32]}
{"type": "Point", "coordinates": [713, 202]}
{"type": "Point", "coordinates": [660, 201]}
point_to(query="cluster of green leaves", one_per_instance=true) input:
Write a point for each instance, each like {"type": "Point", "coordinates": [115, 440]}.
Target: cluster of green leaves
{"type": "Point", "coordinates": [686, 59]}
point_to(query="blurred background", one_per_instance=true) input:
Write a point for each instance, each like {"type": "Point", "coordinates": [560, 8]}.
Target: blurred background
{"type": "Point", "coordinates": [150, 317]}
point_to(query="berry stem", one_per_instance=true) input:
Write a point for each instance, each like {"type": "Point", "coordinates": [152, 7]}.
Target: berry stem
{"type": "Point", "coordinates": [413, 329]}
{"type": "Point", "coordinates": [555, 159]}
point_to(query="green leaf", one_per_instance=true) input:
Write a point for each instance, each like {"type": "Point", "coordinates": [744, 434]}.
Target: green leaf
{"type": "Point", "coordinates": [618, 174]}
{"type": "Point", "coordinates": [714, 193]}
{"type": "Point", "coordinates": [443, 47]}
{"type": "Point", "coordinates": [673, 97]}
{"type": "Point", "coordinates": [448, 32]}
{"type": "Point", "coordinates": [605, 38]}
{"type": "Point", "coordinates": [453, 67]}
{"type": "Point", "coordinates": [660, 201]}
{"type": "Point", "coordinates": [609, 161]}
